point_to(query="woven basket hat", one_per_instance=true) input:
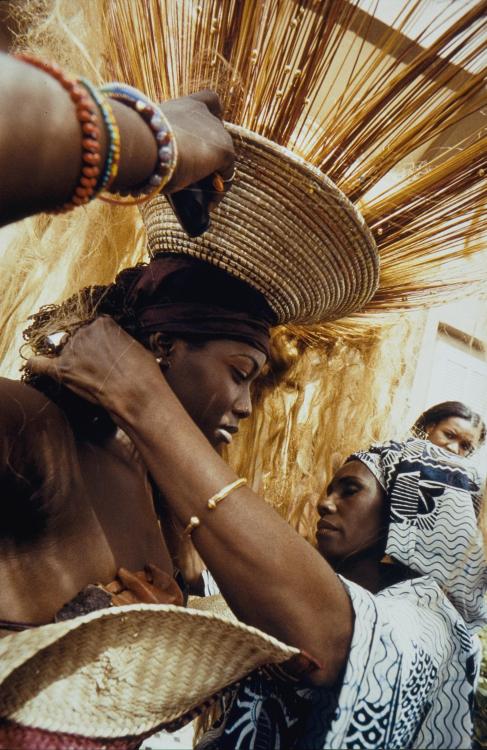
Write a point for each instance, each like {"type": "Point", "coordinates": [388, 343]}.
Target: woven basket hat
{"type": "Point", "coordinates": [127, 670]}
{"type": "Point", "coordinates": [285, 229]}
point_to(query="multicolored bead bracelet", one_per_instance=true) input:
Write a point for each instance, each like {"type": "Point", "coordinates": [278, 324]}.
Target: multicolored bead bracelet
{"type": "Point", "coordinates": [112, 161]}
{"type": "Point", "coordinates": [87, 186]}
{"type": "Point", "coordinates": [166, 144]}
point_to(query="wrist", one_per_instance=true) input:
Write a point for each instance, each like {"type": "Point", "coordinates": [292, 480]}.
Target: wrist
{"type": "Point", "coordinates": [165, 146]}
{"type": "Point", "coordinates": [140, 402]}
{"type": "Point", "coordinates": [138, 154]}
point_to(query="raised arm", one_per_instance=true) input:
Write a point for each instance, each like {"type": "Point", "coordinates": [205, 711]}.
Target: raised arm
{"type": "Point", "coordinates": [270, 576]}
{"type": "Point", "coordinates": [40, 142]}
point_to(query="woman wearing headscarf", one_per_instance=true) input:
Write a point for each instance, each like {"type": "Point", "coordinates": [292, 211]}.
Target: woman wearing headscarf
{"type": "Point", "coordinates": [453, 426]}
{"type": "Point", "coordinates": [389, 655]}
{"type": "Point", "coordinates": [71, 479]}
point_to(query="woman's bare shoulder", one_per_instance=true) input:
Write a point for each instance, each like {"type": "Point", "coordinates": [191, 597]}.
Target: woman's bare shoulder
{"type": "Point", "coordinates": [21, 404]}
{"type": "Point", "coordinates": [38, 461]}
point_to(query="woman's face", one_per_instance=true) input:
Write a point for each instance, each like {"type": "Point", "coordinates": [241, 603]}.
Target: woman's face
{"type": "Point", "coordinates": [353, 515]}
{"type": "Point", "coordinates": [213, 383]}
{"type": "Point", "coordinates": [454, 434]}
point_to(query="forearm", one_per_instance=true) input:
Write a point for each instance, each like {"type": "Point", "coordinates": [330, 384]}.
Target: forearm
{"type": "Point", "coordinates": [41, 149]}
{"type": "Point", "coordinates": [40, 142]}
{"type": "Point", "coordinates": [270, 576]}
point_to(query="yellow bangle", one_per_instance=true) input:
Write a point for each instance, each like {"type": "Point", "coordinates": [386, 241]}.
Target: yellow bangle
{"type": "Point", "coordinates": [194, 522]}
{"type": "Point", "coordinates": [224, 492]}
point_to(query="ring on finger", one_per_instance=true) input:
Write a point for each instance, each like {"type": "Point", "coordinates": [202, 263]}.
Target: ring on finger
{"type": "Point", "coordinates": [219, 183]}
{"type": "Point", "coordinates": [232, 176]}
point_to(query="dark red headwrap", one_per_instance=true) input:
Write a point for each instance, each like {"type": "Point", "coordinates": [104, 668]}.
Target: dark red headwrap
{"type": "Point", "coordinates": [178, 294]}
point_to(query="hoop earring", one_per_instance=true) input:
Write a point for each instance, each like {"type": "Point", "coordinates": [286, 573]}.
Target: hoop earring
{"type": "Point", "coordinates": [419, 433]}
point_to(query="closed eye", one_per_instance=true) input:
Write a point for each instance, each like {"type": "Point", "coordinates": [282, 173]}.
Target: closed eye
{"type": "Point", "coordinates": [350, 488]}
{"type": "Point", "coordinates": [239, 375]}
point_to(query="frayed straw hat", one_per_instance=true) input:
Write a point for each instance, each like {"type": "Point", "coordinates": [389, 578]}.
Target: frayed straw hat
{"type": "Point", "coordinates": [127, 671]}
{"type": "Point", "coordinates": [286, 230]}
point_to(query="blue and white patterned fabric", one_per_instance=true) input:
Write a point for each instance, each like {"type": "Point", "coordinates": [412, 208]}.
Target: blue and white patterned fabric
{"type": "Point", "coordinates": [409, 680]}
{"type": "Point", "coordinates": [210, 586]}
{"type": "Point", "coordinates": [414, 658]}
{"type": "Point", "coordinates": [408, 683]}
{"type": "Point", "coordinates": [434, 500]}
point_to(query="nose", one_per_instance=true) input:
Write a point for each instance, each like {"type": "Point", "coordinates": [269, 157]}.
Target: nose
{"type": "Point", "coordinates": [453, 447]}
{"type": "Point", "coordinates": [327, 505]}
{"type": "Point", "coordinates": [243, 404]}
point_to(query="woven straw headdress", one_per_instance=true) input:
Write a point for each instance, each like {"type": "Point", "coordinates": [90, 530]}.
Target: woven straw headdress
{"type": "Point", "coordinates": [365, 125]}
{"type": "Point", "coordinates": [367, 105]}
{"type": "Point", "coordinates": [285, 229]}
{"type": "Point", "coordinates": [353, 112]}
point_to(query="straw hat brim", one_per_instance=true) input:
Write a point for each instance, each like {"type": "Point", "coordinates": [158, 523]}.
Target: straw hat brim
{"type": "Point", "coordinates": [127, 670]}
{"type": "Point", "coordinates": [286, 230]}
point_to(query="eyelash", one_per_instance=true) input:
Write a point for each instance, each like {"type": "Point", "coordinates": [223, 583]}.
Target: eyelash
{"type": "Point", "coordinates": [451, 436]}
{"type": "Point", "coordinates": [347, 490]}
{"type": "Point", "coordinates": [239, 375]}
{"type": "Point", "coordinates": [350, 490]}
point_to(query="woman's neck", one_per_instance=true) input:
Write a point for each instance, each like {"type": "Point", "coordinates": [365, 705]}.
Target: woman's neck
{"type": "Point", "coordinates": [363, 570]}
{"type": "Point", "coordinates": [367, 570]}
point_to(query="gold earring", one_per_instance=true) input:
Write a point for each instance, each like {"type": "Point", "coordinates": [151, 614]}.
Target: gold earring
{"type": "Point", "coordinates": [163, 362]}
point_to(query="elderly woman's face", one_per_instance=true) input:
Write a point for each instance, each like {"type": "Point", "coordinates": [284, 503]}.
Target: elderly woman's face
{"type": "Point", "coordinates": [353, 515]}
{"type": "Point", "coordinates": [213, 383]}
{"type": "Point", "coordinates": [454, 434]}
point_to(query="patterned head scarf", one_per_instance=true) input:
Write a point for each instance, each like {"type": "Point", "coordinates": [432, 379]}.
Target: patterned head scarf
{"type": "Point", "coordinates": [434, 501]}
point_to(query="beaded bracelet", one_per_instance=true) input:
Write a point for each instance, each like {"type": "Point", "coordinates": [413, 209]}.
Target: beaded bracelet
{"type": "Point", "coordinates": [166, 144]}
{"type": "Point", "coordinates": [113, 136]}
{"type": "Point", "coordinates": [86, 189]}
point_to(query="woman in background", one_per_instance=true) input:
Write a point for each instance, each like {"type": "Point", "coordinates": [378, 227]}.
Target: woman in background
{"type": "Point", "coordinates": [453, 426]}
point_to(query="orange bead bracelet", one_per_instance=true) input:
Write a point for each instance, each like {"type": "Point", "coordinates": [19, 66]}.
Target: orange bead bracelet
{"type": "Point", "coordinates": [86, 112]}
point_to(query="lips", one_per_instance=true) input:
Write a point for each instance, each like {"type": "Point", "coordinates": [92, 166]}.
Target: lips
{"type": "Point", "coordinates": [324, 526]}
{"type": "Point", "coordinates": [226, 432]}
